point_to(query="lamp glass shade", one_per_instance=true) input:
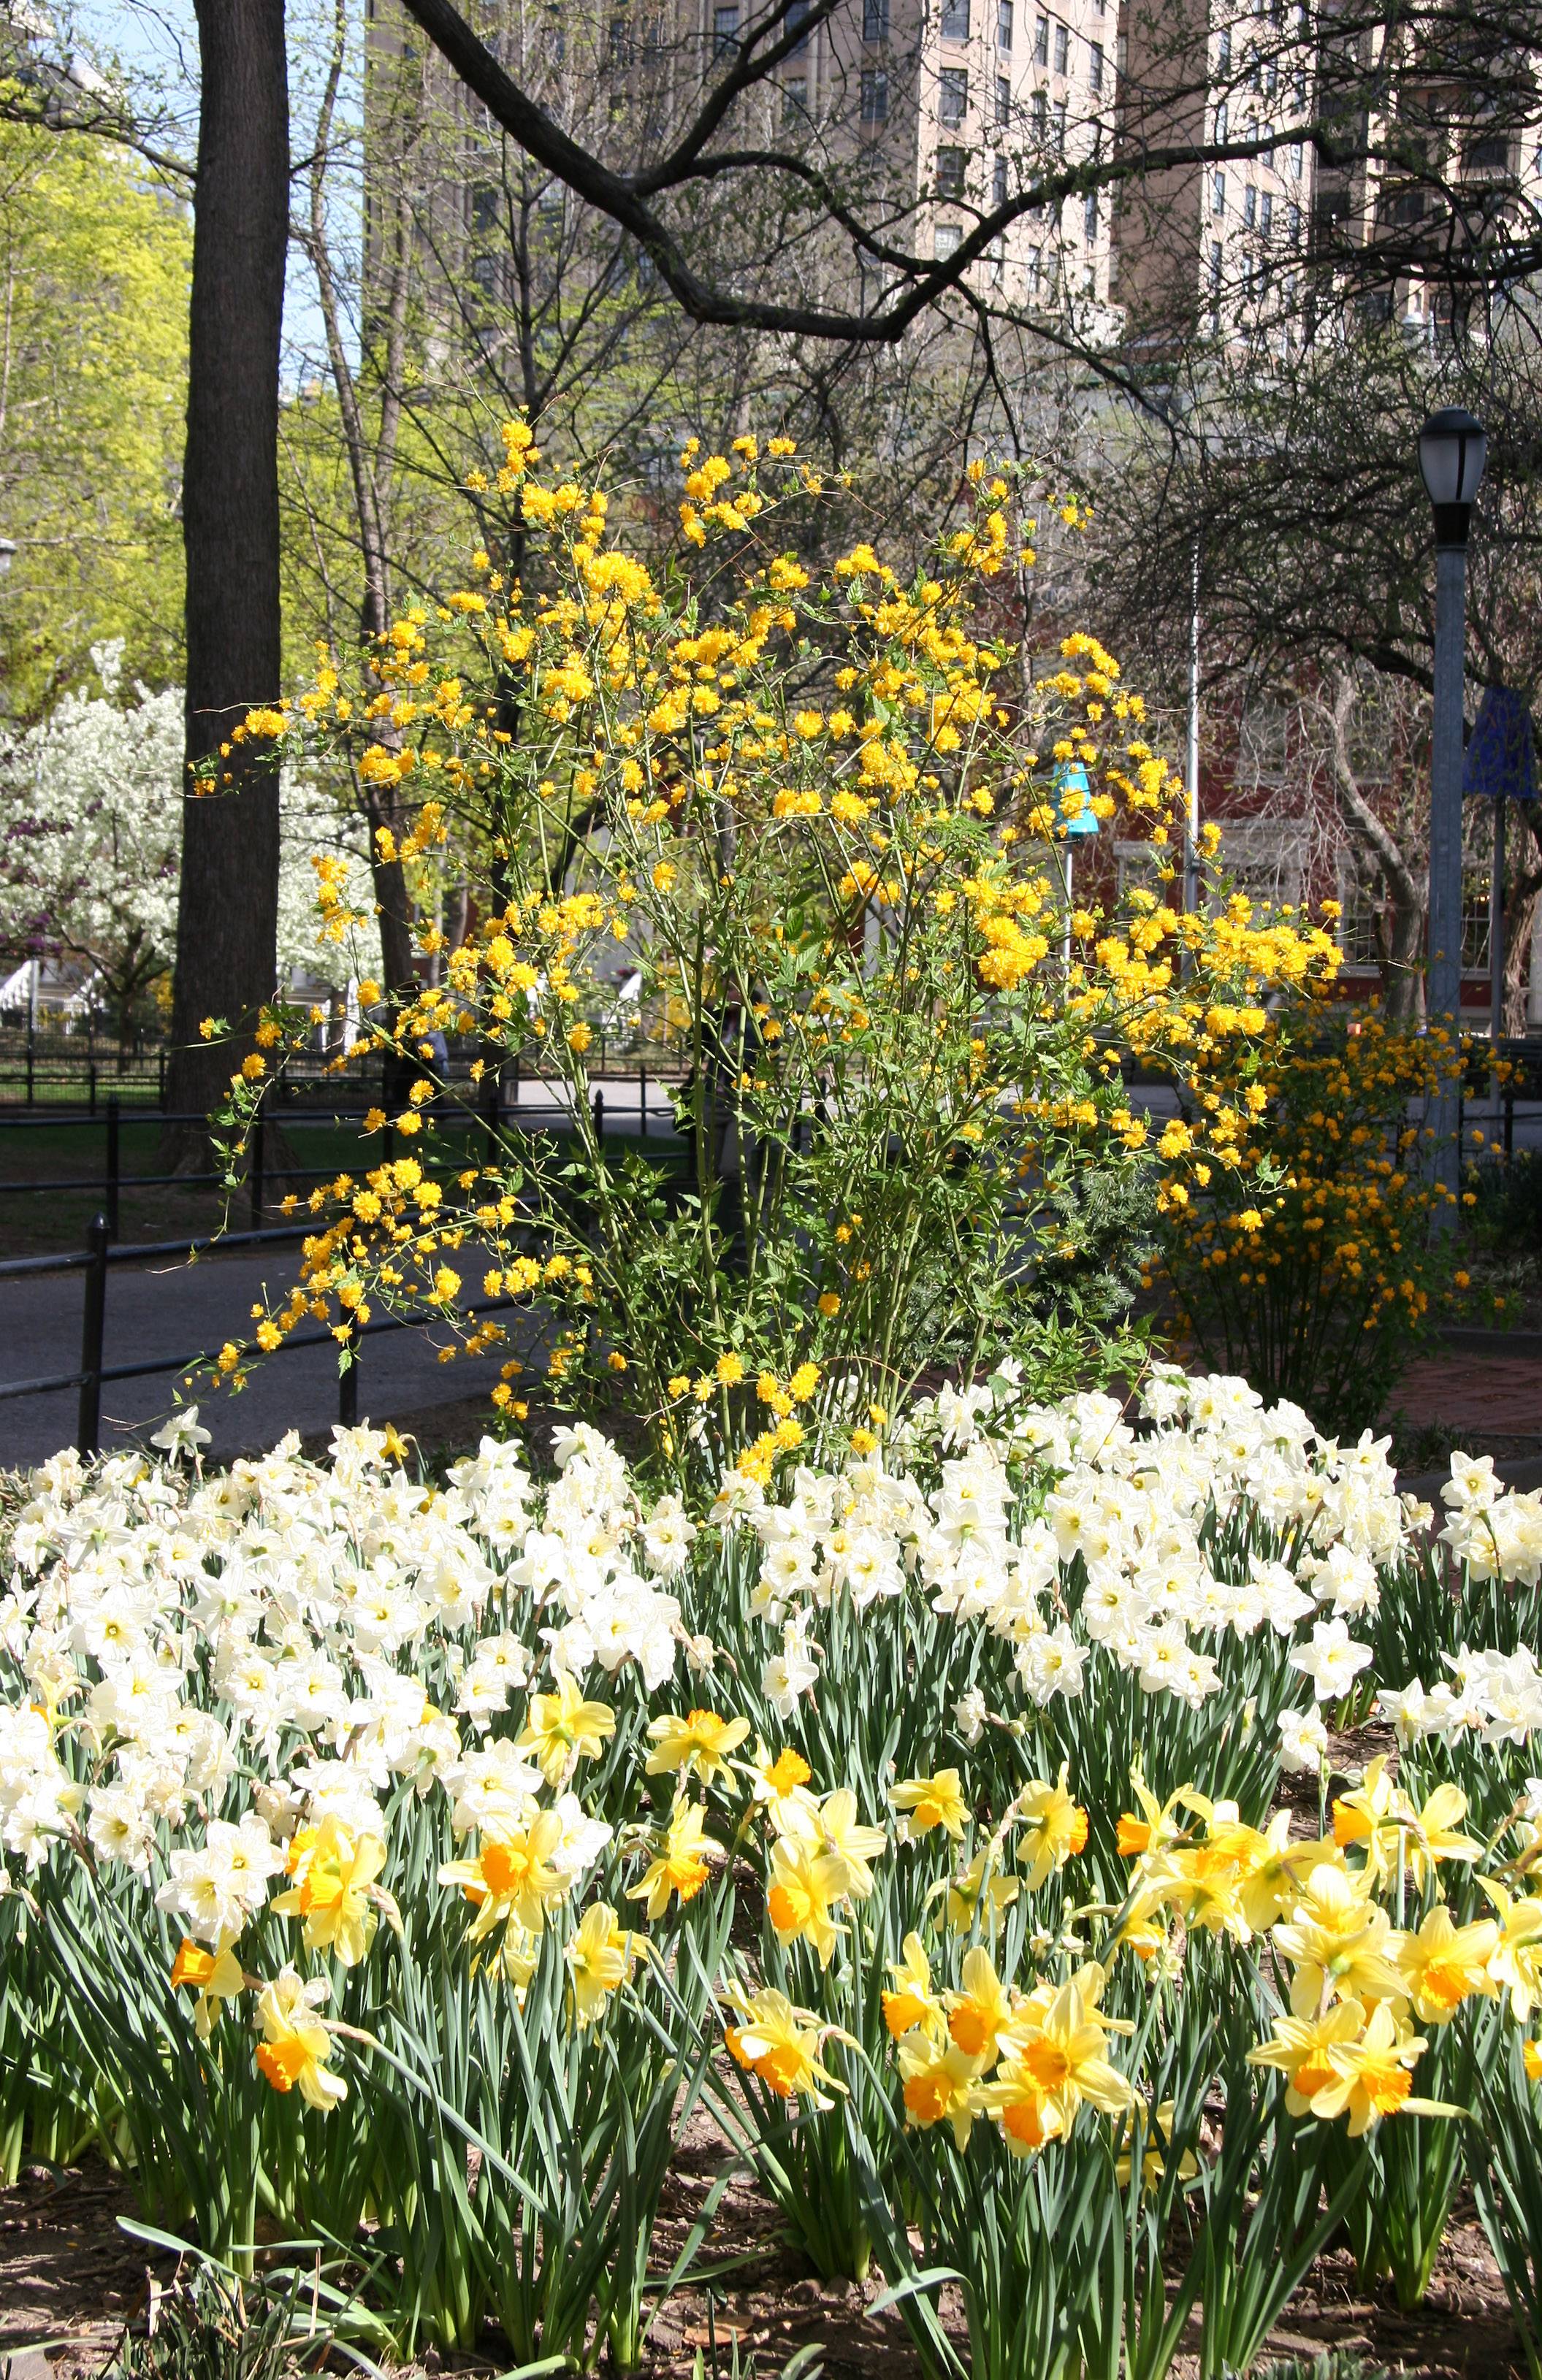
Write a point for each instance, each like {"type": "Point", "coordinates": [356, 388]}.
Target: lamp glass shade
{"type": "Point", "coordinates": [1453, 447]}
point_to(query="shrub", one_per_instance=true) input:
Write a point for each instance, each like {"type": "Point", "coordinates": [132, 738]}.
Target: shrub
{"type": "Point", "coordinates": [828, 822]}
{"type": "Point", "coordinates": [1312, 1268]}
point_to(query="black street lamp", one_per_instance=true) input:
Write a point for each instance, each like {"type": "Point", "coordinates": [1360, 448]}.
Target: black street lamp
{"type": "Point", "coordinates": [1452, 449]}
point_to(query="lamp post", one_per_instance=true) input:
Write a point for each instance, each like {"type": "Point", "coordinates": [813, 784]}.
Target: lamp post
{"type": "Point", "coordinates": [1453, 446]}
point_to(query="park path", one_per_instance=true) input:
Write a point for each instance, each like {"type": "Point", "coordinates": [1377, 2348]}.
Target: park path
{"type": "Point", "coordinates": [177, 1309]}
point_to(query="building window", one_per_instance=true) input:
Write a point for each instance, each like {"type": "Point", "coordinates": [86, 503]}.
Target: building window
{"type": "Point", "coordinates": [795, 99]}
{"type": "Point", "coordinates": [1041, 111]}
{"type": "Point", "coordinates": [1220, 121]}
{"type": "Point", "coordinates": [999, 183]}
{"type": "Point", "coordinates": [1474, 925]}
{"type": "Point", "coordinates": [875, 95]}
{"type": "Point", "coordinates": [725, 29]}
{"type": "Point", "coordinates": [875, 20]}
{"type": "Point", "coordinates": [1060, 125]}
{"type": "Point", "coordinates": [944, 241]}
{"type": "Point", "coordinates": [955, 21]}
{"type": "Point", "coordinates": [1297, 158]}
{"type": "Point", "coordinates": [1004, 99]}
{"type": "Point", "coordinates": [1095, 72]}
{"type": "Point", "coordinates": [1215, 268]}
{"type": "Point", "coordinates": [796, 14]}
{"type": "Point", "coordinates": [1042, 42]}
{"type": "Point", "coordinates": [621, 41]}
{"type": "Point", "coordinates": [1062, 50]}
{"type": "Point", "coordinates": [952, 98]}
{"type": "Point", "coordinates": [1265, 214]}
{"type": "Point", "coordinates": [950, 172]}
{"type": "Point", "coordinates": [1223, 51]}
{"type": "Point", "coordinates": [1293, 222]}
{"type": "Point", "coordinates": [1035, 272]}
{"type": "Point", "coordinates": [1003, 24]}
{"type": "Point", "coordinates": [1089, 218]}
{"type": "Point", "coordinates": [1218, 194]}
{"type": "Point", "coordinates": [1250, 206]}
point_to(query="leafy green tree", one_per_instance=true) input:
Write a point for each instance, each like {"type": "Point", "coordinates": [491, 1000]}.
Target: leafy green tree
{"type": "Point", "coordinates": [94, 349]}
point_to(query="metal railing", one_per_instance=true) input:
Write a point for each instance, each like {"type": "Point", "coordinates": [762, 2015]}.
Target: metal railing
{"type": "Point", "coordinates": [497, 1108]}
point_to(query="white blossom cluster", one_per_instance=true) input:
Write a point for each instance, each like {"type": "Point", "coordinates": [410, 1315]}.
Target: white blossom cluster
{"type": "Point", "coordinates": [282, 1617]}
{"type": "Point", "coordinates": [1130, 1503]}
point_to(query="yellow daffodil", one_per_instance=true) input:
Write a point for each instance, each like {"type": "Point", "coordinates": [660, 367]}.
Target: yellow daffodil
{"type": "Point", "coordinates": [975, 1884]}
{"type": "Point", "coordinates": [335, 1890]}
{"type": "Point", "coordinates": [911, 2000]}
{"type": "Point", "coordinates": [1054, 1829]}
{"type": "Point", "coordinates": [216, 1975]}
{"type": "Point", "coordinates": [1061, 2037]}
{"type": "Point", "coordinates": [979, 2013]}
{"type": "Point", "coordinates": [938, 2084]}
{"type": "Point", "coordinates": [680, 1867]}
{"type": "Point", "coordinates": [781, 2043]}
{"type": "Point", "coordinates": [1340, 1943]}
{"type": "Point", "coordinates": [512, 1881]}
{"type": "Point", "coordinates": [1443, 1964]}
{"type": "Point", "coordinates": [1515, 1962]}
{"type": "Point", "coordinates": [1298, 2047]}
{"type": "Point", "coordinates": [804, 1887]}
{"type": "Point", "coordinates": [1372, 2075]}
{"type": "Point", "coordinates": [296, 2043]}
{"type": "Point", "coordinates": [929, 1801]}
{"type": "Point", "coordinates": [563, 1729]}
{"type": "Point", "coordinates": [853, 1844]}
{"type": "Point", "coordinates": [599, 1959]}
{"type": "Point", "coordinates": [701, 1742]}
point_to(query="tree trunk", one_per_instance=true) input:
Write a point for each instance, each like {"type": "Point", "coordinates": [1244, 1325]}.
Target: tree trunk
{"type": "Point", "coordinates": [228, 908]}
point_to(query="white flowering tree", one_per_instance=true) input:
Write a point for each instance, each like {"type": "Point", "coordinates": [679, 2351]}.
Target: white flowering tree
{"type": "Point", "coordinates": [91, 835]}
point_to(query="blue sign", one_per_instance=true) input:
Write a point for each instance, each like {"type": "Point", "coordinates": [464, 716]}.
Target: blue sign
{"type": "Point", "coordinates": [1501, 752]}
{"type": "Point", "coordinates": [1072, 778]}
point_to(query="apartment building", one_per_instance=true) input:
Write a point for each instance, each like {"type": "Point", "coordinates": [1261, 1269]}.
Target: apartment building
{"type": "Point", "coordinates": [936, 111]}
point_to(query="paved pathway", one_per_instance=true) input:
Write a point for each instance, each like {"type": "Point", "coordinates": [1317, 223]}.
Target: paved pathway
{"type": "Point", "coordinates": [178, 1309]}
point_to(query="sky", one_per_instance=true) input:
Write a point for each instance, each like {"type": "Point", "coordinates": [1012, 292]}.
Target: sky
{"type": "Point", "coordinates": [155, 42]}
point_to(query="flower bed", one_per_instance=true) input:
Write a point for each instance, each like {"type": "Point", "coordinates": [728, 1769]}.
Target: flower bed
{"type": "Point", "coordinates": [402, 1868]}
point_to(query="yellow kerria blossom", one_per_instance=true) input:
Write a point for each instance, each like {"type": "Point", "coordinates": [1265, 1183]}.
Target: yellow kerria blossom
{"type": "Point", "coordinates": [1054, 1829]}
{"type": "Point", "coordinates": [335, 1890]}
{"type": "Point", "coordinates": [296, 2043]}
{"type": "Point", "coordinates": [680, 1867]}
{"type": "Point", "coordinates": [511, 1878]}
{"type": "Point", "coordinates": [701, 1742]}
{"type": "Point", "coordinates": [599, 1959]}
{"type": "Point", "coordinates": [563, 1729]}
{"type": "Point", "coordinates": [1444, 1963]}
{"type": "Point", "coordinates": [930, 1802]}
{"type": "Point", "coordinates": [805, 1886]}
{"type": "Point", "coordinates": [214, 1975]}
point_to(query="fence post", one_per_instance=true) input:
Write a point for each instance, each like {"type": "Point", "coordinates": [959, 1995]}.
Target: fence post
{"type": "Point", "coordinates": [160, 1078]}
{"type": "Point", "coordinates": [90, 1086]}
{"type": "Point", "coordinates": [31, 1037]}
{"type": "Point", "coordinates": [88, 1430]}
{"type": "Point", "coordinates": [514, 1083]}
{"type": "Point", "coordinates": [347, 1379]}
{"type": "Point", "coordinates": [113, 1164]}
{"type": "Point", "coordinates": [490, 1088]}
{"type": "Point", "coordinates": [599, 1118]}
{"type": "Point", "coordinates": [642, 1102]}
{"type": "Point", "coordinates": [254, 1170]}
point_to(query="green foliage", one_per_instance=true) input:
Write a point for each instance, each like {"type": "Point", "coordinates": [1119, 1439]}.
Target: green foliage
{"type": "Point", "coordinates": [94, 360]}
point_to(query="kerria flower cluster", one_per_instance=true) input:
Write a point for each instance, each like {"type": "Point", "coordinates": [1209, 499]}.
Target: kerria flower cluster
{"type": "Point", "coordinates": [1073, 1534]}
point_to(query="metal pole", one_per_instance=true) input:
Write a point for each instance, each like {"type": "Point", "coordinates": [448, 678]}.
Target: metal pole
{"type": "Point", "coordinates": [113, 1165]}
{"type": "Point", "coordinates": [88, 1429]}
{"type": "Point", "coordinates": [642, 1103]}
{"type": "Point", "coordinates": [347, 1379]}
{"type": "Point", "coordinates": [1191, 850]}
{"type": "Point", "coordinates": [1496, 952]}
{"type": "Point", "coordinates": [1443, 970]}
{"type": "Point", "coordinates": [254, 1170]}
